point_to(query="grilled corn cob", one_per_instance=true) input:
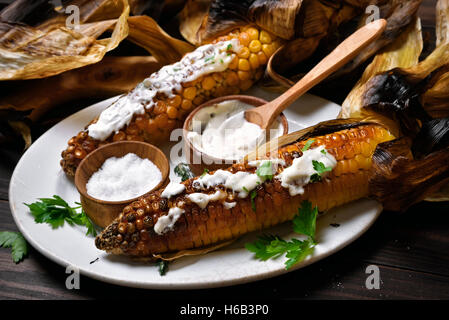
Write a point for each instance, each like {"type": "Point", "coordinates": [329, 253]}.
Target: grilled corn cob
{"type": "Point", "coordinates": [155, 124]}
{"type": "Point", "coordinates": [134, 232]}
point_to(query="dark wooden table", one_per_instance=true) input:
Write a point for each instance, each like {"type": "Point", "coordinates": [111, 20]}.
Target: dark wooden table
{"type": "Point", "coordinates": [411, 250]}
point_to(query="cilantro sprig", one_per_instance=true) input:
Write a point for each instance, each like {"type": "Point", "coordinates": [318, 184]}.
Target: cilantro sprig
{"type": "Point", "coordinates": [308, 145]}
{"type": "Point", "coordinates": [55, 211]}
{"type": "Point", "coordinates": [320, 168]}
{"type": "Point", "coordinates": [295, 250]}
{"type": "Point", "coordinates": [162, 266]}
{"type": "Point", "coordinates": [265, 171]}
{"type": "Point", "coordinates": [17, 243]}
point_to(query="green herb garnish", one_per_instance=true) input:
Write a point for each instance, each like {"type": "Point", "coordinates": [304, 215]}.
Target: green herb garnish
{"type": "Point", "coordinates": [17, 243]}
{"type": "Point", "coordinates": [229, 47]}
{"type": "Point", "coordinates": [162, 266]}
{"type": "Point", "coordinates": [265, 171]}
{"type": "Point", "coordinates": [209, 59]}
{"type": "Point", "coordinates": [206, 171]}
{"type": "Point", "coordinates": [307, 145]}
{"type": "Point", "coordinates": [245, 189]}
{"type": "Point", "coordinates": [323, 151]}
{"type": "Point", "coordinates": [183, 170]}
{"type": "Point", "coordinates": [271, 246]}
{"type": "Point", "coordinates": [55, 211]}
{"type": "Point", "coordinates": [221, 61]}
{"type": "Point", "coordinates": [320, 168]}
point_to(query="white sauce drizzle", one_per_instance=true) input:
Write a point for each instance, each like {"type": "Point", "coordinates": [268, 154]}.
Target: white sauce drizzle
{"type": "Point", "coordinates": [202, 200]}
{"type": "Point", "coordinates": [229, 205]}
{"type": "Point", "coordinates": [204, 60]}
{"type": "Point", "coordinates": [172, 189]}
{"type": "Point", "coordinates": [165, 223]}
{"type": "Point", "coordinates": [298, 174]}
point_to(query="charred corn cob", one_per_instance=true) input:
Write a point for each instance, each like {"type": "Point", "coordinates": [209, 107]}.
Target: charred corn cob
{"type": "Point", "coordinates": [227, 214]}
{"type": "Point", "coordinates": [164, 111]}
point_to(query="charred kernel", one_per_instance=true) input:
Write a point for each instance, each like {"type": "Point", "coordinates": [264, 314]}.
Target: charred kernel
{"type": "Point", "coordinates": [155, 206]}
{"type": "Point", "coordinates": [136, 204]}
{"type": "Point", "coordinates": [122, 228]}
{"type": "Point", "coordinates": [139, 224]}
{"type": "Point", "coordinates": [144, 235]}
{"type": "Point", "coordinates": [127, 209]}
{"type": "Point", "coordinates": [131, 217]}
{"type": "Point", "coordinates": [79, 153]}
{"type": "Point", "coordinates": [232, 79]}
{"type": "Point", "coordinates": [148, 221]}
{"type": "Point", "coordinates": [163, 204]}
{"type": "Point", "coordinates": [124, 245]}
{"type": "Point", "coordinates": [140, 212]}
{"type": "Point", "coordinates": [119, 238]}
{"type": "Point", "coordinates": [72, 141]}
{"type": "Point", "coordinates": [71, 149]}
{"type": "Point", "coordinates": [140, 246]}
{"type": "Point", "coordinates": [130, 228]}
{"type": "Point", "coordinates": [119, 136]}
{"type": "Point", "coordinates": [135, 236]}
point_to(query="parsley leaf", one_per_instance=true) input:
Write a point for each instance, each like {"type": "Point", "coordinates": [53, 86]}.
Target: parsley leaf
{"type": "Point", "coordinates": [209, 59]}
{"type": "Point", "coordinates": [308, 145]}
{"type": "Point", "coordinates": [229, 47]}
{"type": "Point", "coordinates": [206, 171]}
{"type": "Point", "coordinates": [245, 189]}
{"type": "Point", "coordinates": [272, 246]}
{"type": "Point", "coordinates": [323, 151]}
{"type": "Point", "coordinates": [183, 170]}
{"type": "Point", "coordinates": [17, 243]}
{"type": "Point", "coordinates": [162, 266]}
{"type": "Point", "coordinates": [320, 168]}
{"type": "Point", "coordinates": [55, 211]}
{"type": "Point", "coordinates": [265, 171]}
{"type": "Point", "coordinates": [305, 221]}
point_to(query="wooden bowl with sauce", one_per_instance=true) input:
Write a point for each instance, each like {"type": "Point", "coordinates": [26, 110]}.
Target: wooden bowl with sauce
{"type": "Point", "coordinates": [102, 212]}
{"type": "Point", "coordinates": [207, 161]}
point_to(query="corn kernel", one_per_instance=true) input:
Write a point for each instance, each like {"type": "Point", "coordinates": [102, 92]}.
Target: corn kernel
{"type": "Point", "coordinates": [262, 57]}
{"type": "Point", "coordinates": [172, 112]}
{"type": "Point", "coordinates": [244, 53]}
{"type": "Point", "coordinates": [234, 63]}
{"type": "Point", "coordinates": [267, 49]}
{"type": "Point", "coordinates": [175, 101]}
{"type": "Point", "coordinates": [189, 93]}
{"type": "Point", "coordinates": [208, 83]}
{"type": "Point", "coordinates": [161, 120]}
{"type": "Point", "coordinates": [253, 33]}
{"type": "Point", "coordinates": [186, 104]}
{"type": "Point", "coordinates": [264, 37]}
{"type": "Point", "coordinates": [198, 100]}
{"type": "Point", "coordinates": [152, 126]}
{"type": "Point", "coordinates": [253, 61]}
{"type": "Point", "coordinates": [255, 46]}
{"type": "Point", "coordinates": [232, 79]}
{"type": "Point", "coordinates": [244, 39]}
{"type": "Point", "coordinates": [244, 65]}
{"type": "Point", "coordinates": [217, 77]}
{"type": "Point", "coordinates": [160, 107]}
{"type": "Point", "coordinates": [244, 75]}
{"type": "Point", "coordinates": [245, 84]}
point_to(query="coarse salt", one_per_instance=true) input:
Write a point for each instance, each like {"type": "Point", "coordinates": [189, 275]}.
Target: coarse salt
{"type": "Point", "coordinates": [123, 178]}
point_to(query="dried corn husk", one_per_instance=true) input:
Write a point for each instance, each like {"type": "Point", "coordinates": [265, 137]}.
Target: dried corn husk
{"type": "Point", "coordinates": [403, 52]}
{"type": "Point", "coordinates": [51, 48]}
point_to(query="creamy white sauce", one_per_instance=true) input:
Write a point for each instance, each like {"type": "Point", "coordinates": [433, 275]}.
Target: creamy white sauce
{"type": "Point", "coordinates": [296, 176]}
{"type": "Point", "coordinates": [172, 189]}
{"type": "Point", "coordinates": [123, 178]}
{"type": "Point", "coordinates": [202, 200]}
{"type": "Point", "coordinates": [204, 60]}
{"type": "Point", "coordinates": [229, 205]}
{"type": "Point", "coordinates": [167, 222]}
{"type": "Point", "coordinates": [223, 132]}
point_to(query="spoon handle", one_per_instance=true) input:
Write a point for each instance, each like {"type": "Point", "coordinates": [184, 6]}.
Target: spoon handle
{"type": "Point", "coordinates": [342, 54]}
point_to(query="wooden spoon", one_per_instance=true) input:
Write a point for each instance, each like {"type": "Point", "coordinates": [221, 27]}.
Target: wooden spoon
{"type": "Point", "coordinates": [345, 52]}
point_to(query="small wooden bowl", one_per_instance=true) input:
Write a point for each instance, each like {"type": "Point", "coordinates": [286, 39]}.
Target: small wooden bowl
{"type": "Point", "coordinates": [102, 212]}
{"type": "Point", "coordinates": [213, 163]}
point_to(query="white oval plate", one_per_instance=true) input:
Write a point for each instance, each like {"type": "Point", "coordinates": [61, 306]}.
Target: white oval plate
{"type": "Point", "coordinates": [39, 175]}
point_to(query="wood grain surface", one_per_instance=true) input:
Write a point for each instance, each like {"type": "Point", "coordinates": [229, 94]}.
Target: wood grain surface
{"type": "Point", "coordinates": [410, 249]}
